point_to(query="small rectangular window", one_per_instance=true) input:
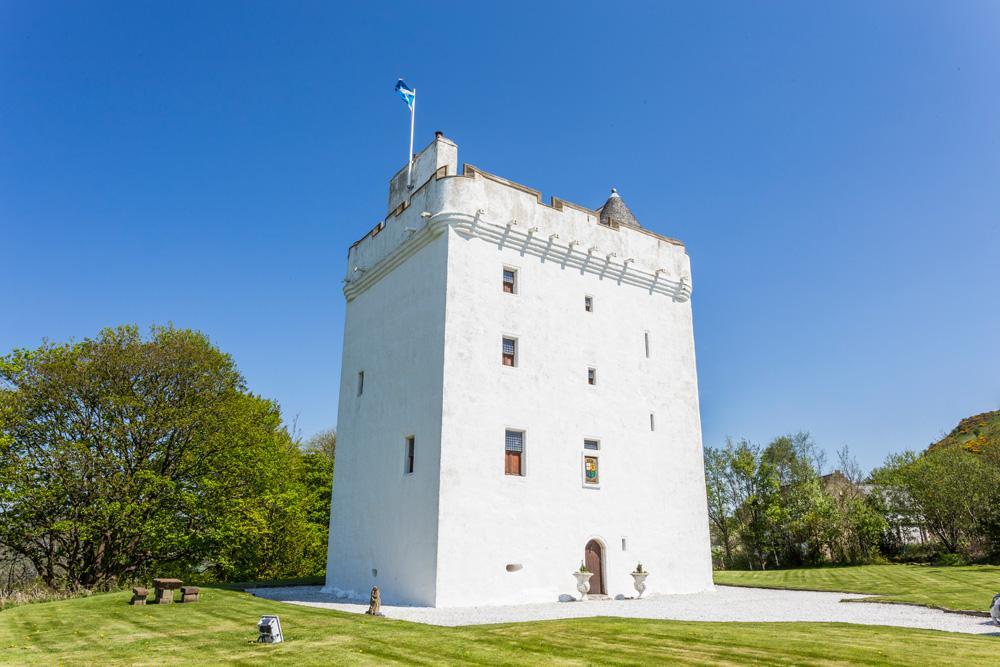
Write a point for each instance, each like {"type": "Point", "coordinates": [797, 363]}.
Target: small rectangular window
{"type": "Point", "coordinates": [652, 422]}
{"type": "Point", "coordinates": [509, 352]}
{"type": "Point", "coordinates": [514, 452]}
{"type": "Point", "coordinates": [591, 376]}
{"type": "Point", "coordinates": [588, 304]}
{"type": "Point", "coordinates": [592, 444]}
{"type": "Point", "coordinates": [510, 281]}
{"type": "Point", "coordinates": [411, 446]}
{"type": "Point", "coordinates": [647, 345]}
{"type": "Point", "coordinates": [624, 544]}
{"type": "Point", "coordinates": [361, 382]}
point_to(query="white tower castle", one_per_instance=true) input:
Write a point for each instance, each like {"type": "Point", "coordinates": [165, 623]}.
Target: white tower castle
{"type": "Point", "coordinates": [518, 396]}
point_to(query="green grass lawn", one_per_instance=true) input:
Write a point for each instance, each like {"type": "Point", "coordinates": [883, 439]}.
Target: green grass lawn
{"type": "Point", "coordinates": [104, 630]}
{"type": "Point", "coordinates": [971, 587]}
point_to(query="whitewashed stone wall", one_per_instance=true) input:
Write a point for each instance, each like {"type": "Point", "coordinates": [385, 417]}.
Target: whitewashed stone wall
{"type": "Point", "coordinates": [425, 318]}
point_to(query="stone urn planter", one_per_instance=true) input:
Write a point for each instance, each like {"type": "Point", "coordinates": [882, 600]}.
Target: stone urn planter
{"type": "Point", "coordinates": [583, 582]}
{"type": "Point", "coordinates": [639, 579]}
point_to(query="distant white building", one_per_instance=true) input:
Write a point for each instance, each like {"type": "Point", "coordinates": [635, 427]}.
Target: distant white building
{"type": "Point", "coordinates": [518, 395]}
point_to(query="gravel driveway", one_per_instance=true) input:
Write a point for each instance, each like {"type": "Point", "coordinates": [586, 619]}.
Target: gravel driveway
{"type": "Point", "coordinates": [725, 604]}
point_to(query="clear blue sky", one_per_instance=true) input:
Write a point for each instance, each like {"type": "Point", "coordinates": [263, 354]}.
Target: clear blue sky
{"type": "Point", "coordinates": [834, 170]}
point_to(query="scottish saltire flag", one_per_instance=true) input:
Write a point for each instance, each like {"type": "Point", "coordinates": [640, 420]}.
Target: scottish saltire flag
{"type": "Point", "coordinates": [407, 93]}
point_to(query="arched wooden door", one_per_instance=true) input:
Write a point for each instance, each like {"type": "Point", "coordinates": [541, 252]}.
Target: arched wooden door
{"type": "Point", "coordinates": [594, 557]}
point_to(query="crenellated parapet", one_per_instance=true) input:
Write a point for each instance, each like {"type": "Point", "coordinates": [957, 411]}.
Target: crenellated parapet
{"type": "Point", "coordinates": [607, 243]}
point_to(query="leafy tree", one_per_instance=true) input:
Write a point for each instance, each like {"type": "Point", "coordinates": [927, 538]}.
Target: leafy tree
{"type": "Point", "coordinates": [323, 443]}
{"type": "Point", "coordinates": [755, 486]}
{"type": "Point", "coordinates": [121, 455]}
{"type": "Point", "coordinates": [989, 521]}
{"type": "Point", "coordinates": [770, 507]}
{"type": "Point", "coordinates": [719, 488]}
{"type": "Point", "coordinates": [800, 500]}
{"type": "Point", "coordinates": [949, 490]}
{"type": "Point", "coordinates": [893, 502]}
{"type": "Point", "coordinates": [318, 458]}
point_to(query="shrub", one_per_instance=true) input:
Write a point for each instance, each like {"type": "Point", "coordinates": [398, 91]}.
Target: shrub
{"type": "Point", "coordinates": [950, 559]}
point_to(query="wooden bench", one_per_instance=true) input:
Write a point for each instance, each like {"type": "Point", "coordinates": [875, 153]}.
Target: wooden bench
{"type": "Point", "coordinates": [190, 593]}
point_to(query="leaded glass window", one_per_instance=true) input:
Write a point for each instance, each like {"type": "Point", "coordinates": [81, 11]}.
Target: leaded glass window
{"type": "Point", "coordinates": [509, 352]}
{"type": "Point", "coordinates": [514, 441]}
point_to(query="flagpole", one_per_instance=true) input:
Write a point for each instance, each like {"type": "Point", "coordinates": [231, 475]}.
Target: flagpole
{"type": "Point", "coordinates": [409, 160]}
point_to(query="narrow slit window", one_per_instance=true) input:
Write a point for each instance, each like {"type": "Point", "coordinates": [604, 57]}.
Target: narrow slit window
{"type": "Point", "coordinates": [588, 304]}
{"type": "Point", "coordinates": [514, 452]}
{"type": "Point", "coordinates": [591, 376]}
{"type": "Point", "coordinates": [510, 281]}
{"type": "Point", "coordinates": [592, 444]}
{"type": "Point", "coordinates": [652, 422]}
{"type": "Point", "coordinates": [361, 382]}
{"type": "Point", "coordinates": [646, 335]}
{"type": "Point", "coordinates": [410, 451]}
{"type": "Point", "coordinates": [509, 352]}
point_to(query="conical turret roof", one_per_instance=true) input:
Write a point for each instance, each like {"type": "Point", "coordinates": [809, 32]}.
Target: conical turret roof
{"type": "Point", "coordinates": [615, 211]}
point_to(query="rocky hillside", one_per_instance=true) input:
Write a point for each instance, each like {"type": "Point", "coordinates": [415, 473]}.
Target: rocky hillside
{"type": "Point", "coordinates": [973, 432]}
